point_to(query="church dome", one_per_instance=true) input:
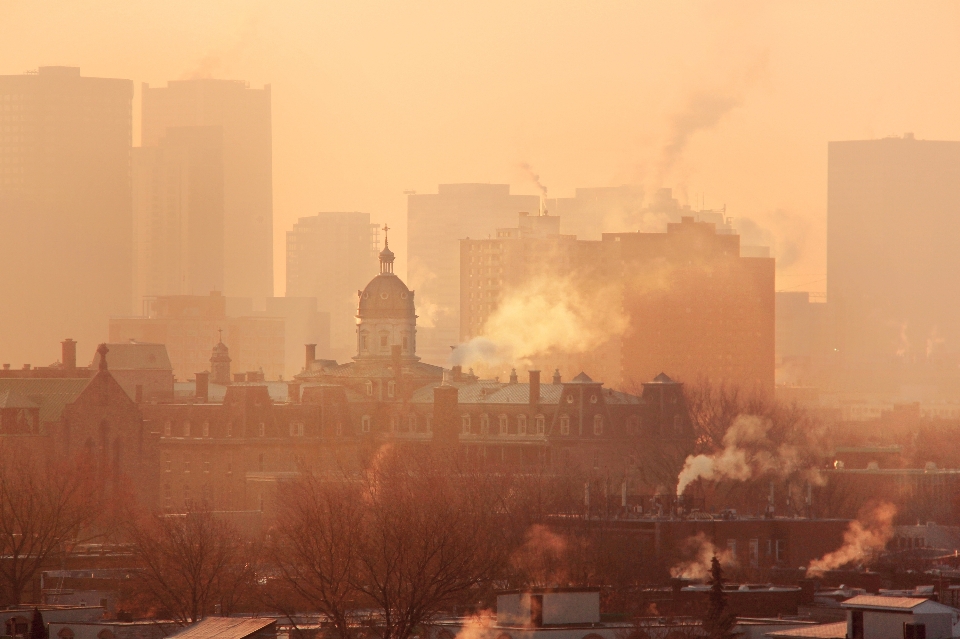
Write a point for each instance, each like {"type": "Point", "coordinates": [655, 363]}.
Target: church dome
{"type": "Point", "coordinates": [386, 296]}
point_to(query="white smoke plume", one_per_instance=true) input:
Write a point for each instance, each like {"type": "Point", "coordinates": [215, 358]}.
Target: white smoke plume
{"type": "Point", "coordinates": [534, 177]}
{"type": "Point", "coordinates": [863, 539]}
{"type": "Point", "coordinates": [747, 452]}
{"type": "Point", "coordinates": [702, 551]}
{"type": "Point", "coordinates": [547, 315]}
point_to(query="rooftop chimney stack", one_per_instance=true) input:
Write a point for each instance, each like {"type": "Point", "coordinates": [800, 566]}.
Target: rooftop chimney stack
{"type": "Point", "coordinates": [203, 387]}
{"type": "Point", "coordinates": [534, 388]}
{"type": "Point", "coordinates": [293, 392]}
{"type": "Point", "coordinates": [311, 355]}
{"type": "Point", "coordinates": [68, 354]}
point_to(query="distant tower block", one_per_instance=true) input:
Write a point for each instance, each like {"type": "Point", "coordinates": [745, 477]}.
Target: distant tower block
{"type": "Point", "coordinates": [220, 363]}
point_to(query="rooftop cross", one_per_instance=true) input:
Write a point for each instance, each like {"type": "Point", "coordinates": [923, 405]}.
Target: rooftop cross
{"type": "Point", "coordinates": [220, 332]}
{"type": "Point", "coordinates": [386, 240]}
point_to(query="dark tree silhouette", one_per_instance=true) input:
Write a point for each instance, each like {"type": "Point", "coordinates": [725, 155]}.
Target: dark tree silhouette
{"type": "Point", "coordinates": [719, 622]}
{"type": "Point", "coordinates": [38, 629]}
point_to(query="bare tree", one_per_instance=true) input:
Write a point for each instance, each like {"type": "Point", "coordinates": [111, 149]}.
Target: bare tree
{"type": "Point", "coordinates": [44, 510]}
{"type": "Point", "coordinates": [412, 536]}
{"type": "Point", "coordinates": [189, 564]}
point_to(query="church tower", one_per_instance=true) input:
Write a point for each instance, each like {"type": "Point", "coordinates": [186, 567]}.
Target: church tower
{"type": "Point", "coordinates": [220, 363]}
{"type": "Point", "coordinates": [387, 314]}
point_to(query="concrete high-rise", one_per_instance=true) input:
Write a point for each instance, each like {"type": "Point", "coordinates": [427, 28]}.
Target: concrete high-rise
{"type": "Point", "coordinates": [65, 221]}
{"type": "Point", "coordinates": [244, 117]}
{"type": "Point", "coordinates": [178, 214]}
{"type": "Point", "coordinates": [893, 268]}
{"type": "Point", "coordinates": [435, 224]}
{"type": "Point", "coordinates": [331, 256]}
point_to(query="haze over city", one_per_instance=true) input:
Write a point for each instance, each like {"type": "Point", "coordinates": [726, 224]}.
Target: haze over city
{"type": "Point", "coordinates": [527, 320]}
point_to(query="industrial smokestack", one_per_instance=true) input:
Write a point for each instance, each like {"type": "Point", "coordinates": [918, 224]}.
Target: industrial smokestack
{"type": "Point", "coordinates": [202, 391]}
{"type": "Point", "coordinates": [68, 356]}
{"type": "Point", "coordinates": [534, 388]}
{"type": "Point", "coordinates": [311, 355]}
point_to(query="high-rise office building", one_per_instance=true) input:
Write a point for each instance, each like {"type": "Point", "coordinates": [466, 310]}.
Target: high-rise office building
{"type": "Point", "coordinates": [243, 115]}
{"type": "Point", "coordinates": [594, 211]}
{"type": "Point", "coordinates": [178, 214]}
{"type": "Point", "coordinates": [435, 224]}
{"type": "Point", "coordinates": [65, 221]}
{"type": "Point", "coordinates": [331, 256]}
{"type": "Point", "coordinates": [893, 269]}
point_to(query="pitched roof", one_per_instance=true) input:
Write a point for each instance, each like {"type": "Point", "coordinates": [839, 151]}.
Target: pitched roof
{"type": "Point", "coordinates": [135, 356]}
{"type": "Point", "coordinates": [224, 628]}
{"type": "Point", "coordinates": [51, 394]}
{"type": "Point", "coordinates": [836, 630]}
{"type": "Point", "coordinates": [662, 379]}
{"type": "Point", "coordinates": [11, 398]}
{"type": "Point", "coordinates": [583, 378]}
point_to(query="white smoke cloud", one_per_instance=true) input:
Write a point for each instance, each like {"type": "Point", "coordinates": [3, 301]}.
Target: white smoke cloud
{"type": "Point", "coordinates": [702, 551]}
{"type": "Point", "coordinates": [863, 539]}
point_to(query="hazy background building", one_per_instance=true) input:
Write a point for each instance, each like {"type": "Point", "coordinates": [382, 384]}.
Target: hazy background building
{"type": "Point", "coordinates": [593, 211]}
{"type": "Point", "coordinates": [893, 218]}
{"type": "Point", "coordinates": [190, 325]}
{"type": "Point", "coordinates": [244, 117]}
{"type": "Point", "coordinates": [65, 222]}
{"type": "Point", "coordinates": [178, 214]}
{"type": "Point", "coordinates": [435, 224]}
{"type": "Point", "coordinates": [331, 256]}
{"type": "Point", "coordinates": [303, 324]}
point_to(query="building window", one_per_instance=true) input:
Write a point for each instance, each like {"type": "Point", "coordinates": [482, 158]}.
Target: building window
{"type": "Point", "coordinates": [541, 425]}
{"type": "Point", "coordinates": [369, 387]}
{"type": "Point", "coordinates": [296, 429]}
{"type": "Point", "coordinates": [465, 424]}
{"type": "Point", "coordinates": [363, 342]}
{"type": "Point", "coordinates": [596, 458]}
{"type": "Point", "coordinates": [186, 464]}
{"type": "Point", "coordinates": [339, 429]}
{"type": "Point", "coordinates": [412, 422]}
{"type": "Point", "coordinates": [598, 424]}
{"type": "Point", "coordinates": [186, 428]}
{"type": "Point", "coordinates": [206, 465]}
{"type": "Point", "coordinates": [260, 462]}
{"type": "Point", "coordinates": [564, 424]}
{"type": "Point", "coordinates": [167, 496]}
{"type": "Point", "coordinates": [394, 424]}
{"type": "Point", "coordinates": [186, 496]}
{"type": "Point", "coordinates": [391, 388]}
{"type": "Point", "coordinates": [229, 469]}
{"type": "Point", "coordinates": [65, 633]}
{"type": "Point", "coordinates": [168, 462]}
{"type": "Point", "coordinates": [754, 553]}
{"type": "Point", "coordinates": [504, 427]}
{"type": "Point", "coordinates": [484, 424]}
{"type": "Point", "coordinates": [383, 342]}
{"type": "Point", "coordinates": [365, 424]}
{"type": "Point", "coordinates": [429, 423]}
{"type": "Point", "coordinates": [406, 344]}
{"type": "Point", "coordinates": [167, 429]}
{"type": "Point", "coordinates": [206, 429]}
{"type": "Point", "coordinates": [781, 547]}
{"type": "Point", "coordinates": [732, 548]}
{"type": "Point", "coordinates": [521, 424]}
{"type": "Point", "coordinates": [263, 429]}
{"type": "Point", "coordinates": [593, 399]}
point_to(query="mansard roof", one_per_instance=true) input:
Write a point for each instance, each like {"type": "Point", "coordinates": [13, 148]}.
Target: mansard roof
{"type": "Point", "coordinates": [492, 393]}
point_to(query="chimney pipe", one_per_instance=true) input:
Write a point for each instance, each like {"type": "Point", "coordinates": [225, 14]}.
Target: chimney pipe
{"type": "Point", "coordinates": [534, 388]}
{"type": "Point", "coordinates": [311, 355]}
{"type": "Point", "coordinates": [203, 387]}
{"type": "Point", "coordinates": [68, 355]}
{"type": "Point", "coordinates": [293, 392]}
{"type": "Point", "coordinates": [556, 376]}
{"type": "Point", "coordinates": [457, 373]}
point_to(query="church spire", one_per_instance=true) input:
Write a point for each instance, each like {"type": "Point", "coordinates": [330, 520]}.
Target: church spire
{"type": "Point", "coordinates": [386, 255]}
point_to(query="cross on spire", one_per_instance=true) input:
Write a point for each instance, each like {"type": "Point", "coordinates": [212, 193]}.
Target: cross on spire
{"type": "Point", "coordinates": [386, 239]}
{"type": "Point", "coordinates": [220, 332]}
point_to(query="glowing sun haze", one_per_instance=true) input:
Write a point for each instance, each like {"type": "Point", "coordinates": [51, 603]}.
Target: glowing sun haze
{"type": "Point", "coordinates": [732, 102]}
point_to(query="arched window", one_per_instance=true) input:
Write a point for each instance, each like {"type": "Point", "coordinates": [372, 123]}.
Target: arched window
{"type": "Point", "coordinates": [484, 424]}
{"type": "Point", "coordinates": [504, 425]}
{"type": "Point", "coordinates": [564, 424]}
{"type": "Point", "coordinates": [598, 424]}
{"type": "Point", "coordinates": [106, 634]}
{"type": "Point", "coordinates": [541, 425]}
{"type": "Point", "coordinates": [521, 424]}
{"type": "Point", "coordinates": [465, 424]}
{"type": "Point", "coordinates": [65, 633]}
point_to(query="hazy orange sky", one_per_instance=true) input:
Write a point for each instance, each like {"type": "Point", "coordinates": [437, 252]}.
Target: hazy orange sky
{"type": "Point", "coordinates": [734, 102]}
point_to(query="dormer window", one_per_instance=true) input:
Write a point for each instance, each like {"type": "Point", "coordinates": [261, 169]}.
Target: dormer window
{"type": "Point", "coordinates": [465, 424]}
{"type": "Point", "coordinates": [391, 388]}
{"type": "Point", "coordinates": [369, 387]}
{"type": "Point", "coordinates": [564, 424]}
{"type": "Point", "coordinates": [598, 424]}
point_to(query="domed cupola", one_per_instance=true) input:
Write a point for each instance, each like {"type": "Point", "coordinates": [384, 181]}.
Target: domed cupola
{"type": "Point", "coordinates": [386, 312]}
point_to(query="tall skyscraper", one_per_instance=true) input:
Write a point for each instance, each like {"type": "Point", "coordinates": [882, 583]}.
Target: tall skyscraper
{"type": "Point", "coordinates": [243, 115]}
{"type": "Point", "coordinates": [331, 256]}
{"type": "Point", "coordinates": [178, 214]}
{"type": "Point", "coordinates": [893, 268]}
{"type": "Point", "coordinates": [65, 222]}
{"type": "Point", "coordinates": [435, 224]}
{"type": "Point", "coordinates": [594, 211]}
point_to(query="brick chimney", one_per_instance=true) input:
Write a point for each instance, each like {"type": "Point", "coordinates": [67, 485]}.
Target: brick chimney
{"type": "Point", "coordinates": [293, 392]}
{"type": "Point", "coordinates": [203, 387]}
{"type": "Point", "coordinates": [239, 377]}
{"type": "Point", "coordinates": [445, 417]}
{"type": "Point", "coordinates": [311, 355]}
{"type": "Point", "coordinates": [534, 388]}
{"type": "Point", "coordinates": [68, 356]}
